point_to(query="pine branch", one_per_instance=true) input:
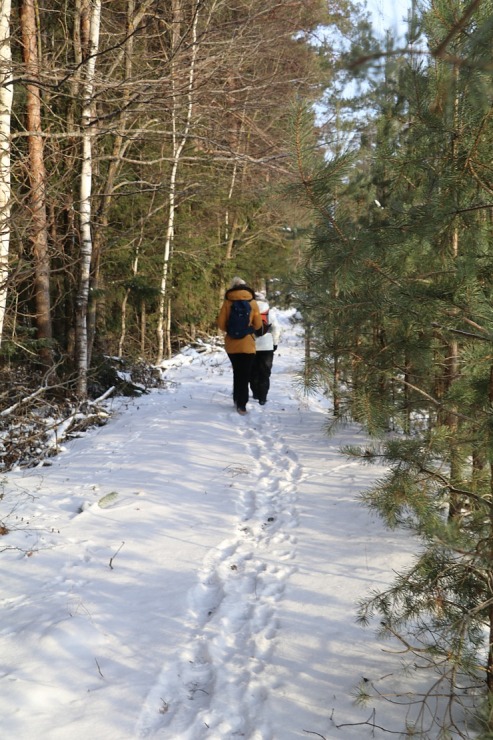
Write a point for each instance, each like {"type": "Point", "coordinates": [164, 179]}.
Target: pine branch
{"type": "Point", "coordinates": [461, 332]}
{"type": "Point", "coordinates": [453, 489]}
{"type": "Point", "coordinates": [461, 23]}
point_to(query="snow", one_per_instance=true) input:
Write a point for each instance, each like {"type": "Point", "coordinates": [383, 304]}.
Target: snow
{"type": "Point", "coordinates": [187, 573]}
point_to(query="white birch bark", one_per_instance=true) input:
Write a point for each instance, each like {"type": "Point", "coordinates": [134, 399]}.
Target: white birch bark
{"type": "Point", "coordinates": [179, 141]}
{"type": "Point", "coordinates": [85, 200]}
{"type": "Point", "coordinates": [121, 142]}
{"type": "Point", "coordinates": [123, 332]}
{"type": "Point", "coordinates": [5, 114]}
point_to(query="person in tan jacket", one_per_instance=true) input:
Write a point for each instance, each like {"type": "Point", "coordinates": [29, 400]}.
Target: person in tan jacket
{"type": "Point", "coordinates": [241, 352]}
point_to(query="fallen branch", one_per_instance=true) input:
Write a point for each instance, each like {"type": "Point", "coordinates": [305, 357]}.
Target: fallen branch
{"type": "Point", "coordinates": [103, 397]}
{"type": "Point", "coordinates": [15, 406]}
{"type": "Point", "coordinates": [370, 722]}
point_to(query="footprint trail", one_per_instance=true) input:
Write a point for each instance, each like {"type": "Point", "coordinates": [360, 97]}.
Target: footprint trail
{"type": "Point", "coordinates": [216, 685]}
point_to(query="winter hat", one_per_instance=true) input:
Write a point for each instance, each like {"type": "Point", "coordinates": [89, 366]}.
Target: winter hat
{"type": "Point", "coordinates": [260, 296]}
{"type": "Point", "coordinates": [236, 281]}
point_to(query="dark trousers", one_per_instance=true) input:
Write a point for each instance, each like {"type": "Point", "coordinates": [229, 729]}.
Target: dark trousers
{"type": "Point", "coordinates": [260, 375]}
{"type": "Point", "coordinates": [242, 367]}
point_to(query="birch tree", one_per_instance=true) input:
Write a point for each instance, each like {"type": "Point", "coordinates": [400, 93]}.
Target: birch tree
{"type": "Point", "coordinates": [187, 108]}
{"type": "Point", "coordinates": [93, 16]}
{"type": "Point", "coordinates": [123, 140]}
{"type": "Point", "coordinates": [179, 139]}
{"type": "Point", "coordinates": [6, 94]}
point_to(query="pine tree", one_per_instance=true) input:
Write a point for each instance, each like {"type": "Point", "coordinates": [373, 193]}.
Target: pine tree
{"type": "Point", "coordinates": [402, 275]}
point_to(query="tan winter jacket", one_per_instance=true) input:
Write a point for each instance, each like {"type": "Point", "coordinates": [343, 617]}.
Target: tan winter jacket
{"type": "Point", "coordinates": [246, 344]}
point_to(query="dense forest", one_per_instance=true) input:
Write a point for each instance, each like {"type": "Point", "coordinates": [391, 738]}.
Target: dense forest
{"type": "Point", "coordinates": [151, 150]}
{"type": "Point", "coordinates": [144, 148]}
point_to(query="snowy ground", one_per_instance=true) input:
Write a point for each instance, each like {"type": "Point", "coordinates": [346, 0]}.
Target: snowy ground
{"type": "Point", "coordinates": [187, 573]}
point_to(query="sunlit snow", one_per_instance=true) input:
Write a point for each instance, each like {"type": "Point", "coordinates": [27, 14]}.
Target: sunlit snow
{"type": "Point", "coordinates": [187, 573]}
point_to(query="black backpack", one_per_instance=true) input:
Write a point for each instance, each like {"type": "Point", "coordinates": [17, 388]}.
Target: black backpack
{"type": "Point", "coordinates": [239, 320]}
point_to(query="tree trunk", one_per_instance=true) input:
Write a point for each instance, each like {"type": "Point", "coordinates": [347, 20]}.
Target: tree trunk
{"type": "Point", "coordinates": [308, 337]}
{"type": "Point", "coordinates": [452, 360]}
{"type": "Point", "coordinates": [37, 181]}
{"type": "Point", "coordinates": [85, 196]}
{"type": "Point", "coordinates": [120, 144]}
{"type": "Point", "coordinates": [231, 224]}
{"type": "Point", "coordinates": [143, 319]}
{"type": "Point", "coordinates": [179, 141]}
{"type": "Point", "coordinates": [6, 92]}
{"type": "Point", "coordinates": [489, 662]}
{"type": "Point", "coordinates": [135, 266]}
{"type": "Point", "coordinates": [336, 379]}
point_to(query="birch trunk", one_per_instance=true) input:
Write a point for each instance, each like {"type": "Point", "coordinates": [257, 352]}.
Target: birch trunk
{"type": "Point", "coordinates": [5, 114]}
{"type": "Point", "coordinates": [143, 319]}
{"type": "Point", "coordinates": [489, 632]}
{"type": "Point", "coordinates": [231, 230]}
{"type": "Point", "coordinates": [179, 141]}
{"type": "Point", "coordinates": [37, 182]}
{"type": "Point", "coordinates": [489, 581]}
{"type": "Point", "coordinates": [85, 200]}
{"type": "Point", "coordinates": [123, 332]}
{"type": "Point", "coordinates": [120, 144]}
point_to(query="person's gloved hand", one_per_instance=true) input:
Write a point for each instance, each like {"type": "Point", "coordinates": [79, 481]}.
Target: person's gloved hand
{"type": "Point", "coordinates": [275, 347]}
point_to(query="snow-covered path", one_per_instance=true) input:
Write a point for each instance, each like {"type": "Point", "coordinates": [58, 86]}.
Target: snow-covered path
{"type": "Point", "coordinates": [187, 573]}
{"type": "Point", "coordinates": [219, 679]}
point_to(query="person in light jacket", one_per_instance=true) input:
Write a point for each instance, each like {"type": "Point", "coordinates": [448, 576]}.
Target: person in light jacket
{"type": "Point", "coordinates": [241, 352]}
{"type": "Point", "coordinates": [266, 345]}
